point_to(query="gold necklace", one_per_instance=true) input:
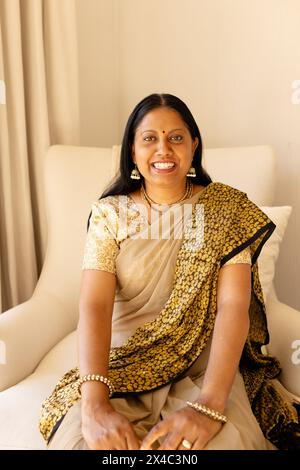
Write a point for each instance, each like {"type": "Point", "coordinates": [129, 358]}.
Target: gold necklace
{"type": "Point", "coordinates": [150, 201]}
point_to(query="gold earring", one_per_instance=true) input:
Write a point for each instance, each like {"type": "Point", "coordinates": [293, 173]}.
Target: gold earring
{"type": "Point", "coordinates": [135, 174]}
{"type": "Point", "coordinates": [191, 172]}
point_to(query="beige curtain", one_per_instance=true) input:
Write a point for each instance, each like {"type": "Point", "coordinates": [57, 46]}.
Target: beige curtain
{"type": "Point", "coordinates": [38, 64]}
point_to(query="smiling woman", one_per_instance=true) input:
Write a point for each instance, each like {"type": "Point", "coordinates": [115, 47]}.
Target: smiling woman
{"type": "Point", "coordinates": [163, 150]}
{"type": "Point", "coordinates": [170, 329]}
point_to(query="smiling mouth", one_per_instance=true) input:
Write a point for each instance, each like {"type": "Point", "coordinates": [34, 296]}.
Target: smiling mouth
{"type": "Point", "coordinates": [163, 165]}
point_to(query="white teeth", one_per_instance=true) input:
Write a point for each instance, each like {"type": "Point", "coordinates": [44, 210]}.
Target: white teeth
{"type": "Point", "coordinates": [162, 166]}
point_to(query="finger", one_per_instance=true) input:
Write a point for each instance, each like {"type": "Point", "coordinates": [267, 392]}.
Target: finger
{"type": "Point", "coordinates": [157, 431]}
{"type": "Point", "coordinates": [98, 444]}
{"type": "Point", "coordinates": [120, 441]}
{"type": "Point", "coordinates": [199, 444]}
{"type": "Point", "coordinates": [182, 447]}
{"type": "Point", "coordinates": [133, 442]}
{"type": "Point", "coordinates": [109, 446]}
{"type": "Point", "coordinates": [171, 442]}
{"type": "Point", "coordinates": [102, 446]}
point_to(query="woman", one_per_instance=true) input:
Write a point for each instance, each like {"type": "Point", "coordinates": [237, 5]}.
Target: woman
{"type": "Point", "coordinates": [172, 316]}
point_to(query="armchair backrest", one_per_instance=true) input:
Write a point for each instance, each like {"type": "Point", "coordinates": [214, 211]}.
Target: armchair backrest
{"type": "Point", "coordinates": [250, 169]}
{"type": "Point", "coordinates": [76, 176]}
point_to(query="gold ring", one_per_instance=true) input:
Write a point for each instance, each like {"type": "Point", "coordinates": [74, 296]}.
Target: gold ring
{"type": "Point", "coordinates": [186, 444]}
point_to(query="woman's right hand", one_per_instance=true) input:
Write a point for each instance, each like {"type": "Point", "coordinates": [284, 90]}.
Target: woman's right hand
{"type": "Point", "coordinates": [103, 428]}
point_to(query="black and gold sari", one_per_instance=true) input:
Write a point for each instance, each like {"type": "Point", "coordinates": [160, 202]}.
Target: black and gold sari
{"type": "Point", "coordinates": [160, 350]}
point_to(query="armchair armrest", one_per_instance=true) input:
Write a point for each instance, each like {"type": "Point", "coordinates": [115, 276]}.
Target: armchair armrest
{"type": "Point", "coordinates": [28, 332]}
{"type": "Point", "coordinates": [284, 328]}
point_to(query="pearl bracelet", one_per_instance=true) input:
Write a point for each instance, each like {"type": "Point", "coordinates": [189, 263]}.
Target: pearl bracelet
{"type": "Point", "coordinates": [208, 411]}
{"type": "Point", "coordinates": [97, 378]}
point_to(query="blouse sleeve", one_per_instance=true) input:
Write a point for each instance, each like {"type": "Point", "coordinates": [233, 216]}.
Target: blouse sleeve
{"type": "Point", "coordinates": [101, 247]}
{"type": "Point", "coordinates": [243, 256]}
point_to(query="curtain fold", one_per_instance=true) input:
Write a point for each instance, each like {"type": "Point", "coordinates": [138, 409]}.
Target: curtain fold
{"type": "Point", "coordinates": [39, 66]}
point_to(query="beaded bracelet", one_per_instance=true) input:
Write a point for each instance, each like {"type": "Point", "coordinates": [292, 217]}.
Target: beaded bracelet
{"type": "Point", "coordinates": [97, 378]}
{"type": "Point", "coordinates": [208, 411]}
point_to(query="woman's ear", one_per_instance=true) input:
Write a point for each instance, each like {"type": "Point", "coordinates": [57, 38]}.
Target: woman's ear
{"type": "Point", "coordinates": [195, 143]}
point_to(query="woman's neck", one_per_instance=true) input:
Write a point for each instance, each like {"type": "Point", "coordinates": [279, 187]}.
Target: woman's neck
{"type": "Point", "coordinates": [165, 195]}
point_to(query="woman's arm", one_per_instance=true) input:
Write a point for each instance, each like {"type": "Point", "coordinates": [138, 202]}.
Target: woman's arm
{"type": "Point", "coordinates": [94, 331]}
{"type": "Point", "coordinates": [102, 426]}
{"type": "Point", "coordinates": [229, 336]}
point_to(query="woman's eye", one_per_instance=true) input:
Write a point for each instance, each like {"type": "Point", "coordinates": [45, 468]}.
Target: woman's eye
{"type": "Point", "coordinates": [176, 138]}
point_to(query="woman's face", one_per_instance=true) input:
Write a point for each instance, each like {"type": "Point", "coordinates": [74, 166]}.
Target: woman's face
{"type": "Point", "coordinates": [163, 148]}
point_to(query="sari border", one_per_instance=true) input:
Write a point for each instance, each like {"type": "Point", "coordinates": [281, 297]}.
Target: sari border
{"type": "Point", "coordinates": [268, 228]}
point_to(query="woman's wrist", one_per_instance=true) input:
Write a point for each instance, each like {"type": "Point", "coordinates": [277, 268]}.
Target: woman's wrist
{"type": "Point", "coordinates": [90, 411]}
{"type": "Point", "coordinates": [214, 402]}
{"type": "Point", "coordinates": [90, 408]}
{"type": "Point", "coordinates": [94, 393]}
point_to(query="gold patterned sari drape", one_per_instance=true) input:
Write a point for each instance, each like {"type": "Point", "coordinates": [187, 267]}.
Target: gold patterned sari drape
{"type": "Point", "coordinates": [161, 350]}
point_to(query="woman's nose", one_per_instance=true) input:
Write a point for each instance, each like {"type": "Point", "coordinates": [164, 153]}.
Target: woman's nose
{"type": "Point", "coordinates": [163, 146]}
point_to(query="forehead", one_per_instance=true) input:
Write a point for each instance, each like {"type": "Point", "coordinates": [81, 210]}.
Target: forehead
{"type": "Point", "coordinates": [161, 119]}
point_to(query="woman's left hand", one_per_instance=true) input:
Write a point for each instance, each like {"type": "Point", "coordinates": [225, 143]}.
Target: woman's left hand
{"type": "Point", "coordinates": [184, 424]}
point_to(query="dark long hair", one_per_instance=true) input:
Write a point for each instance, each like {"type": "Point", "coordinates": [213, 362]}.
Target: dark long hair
{"type": "Point", "coordinates": [122, 184]}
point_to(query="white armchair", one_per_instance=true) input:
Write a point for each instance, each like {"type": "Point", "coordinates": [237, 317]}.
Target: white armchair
{"type": "Point", "coordinates": [38, 337]}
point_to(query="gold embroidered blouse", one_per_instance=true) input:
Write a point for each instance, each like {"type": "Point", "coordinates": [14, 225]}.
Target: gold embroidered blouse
{"type": "Point", "coordinates": [113, 219]}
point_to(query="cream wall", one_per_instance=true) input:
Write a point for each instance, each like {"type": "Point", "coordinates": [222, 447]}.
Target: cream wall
{"type": "Point", "coordinates": [232, 61]}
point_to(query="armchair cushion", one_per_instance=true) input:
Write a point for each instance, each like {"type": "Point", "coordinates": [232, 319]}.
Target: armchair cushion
{"type": "Point", "coordinates": [270, 251]}
{"type": "Point", "coordinates": [21, 416]}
